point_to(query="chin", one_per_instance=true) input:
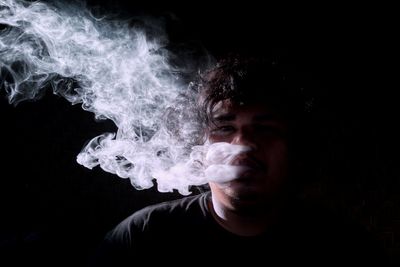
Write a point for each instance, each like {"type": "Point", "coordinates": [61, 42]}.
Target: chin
{"type": "Point", "coordinates": [250, 205]}
{"type": "Point", "coordinates": [247, 196]}
{"type": "Point", "coordinates": [244, 188]}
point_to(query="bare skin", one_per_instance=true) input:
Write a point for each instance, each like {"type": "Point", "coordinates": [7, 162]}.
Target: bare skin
{"type": "Point", "coordinates": [247, 206]}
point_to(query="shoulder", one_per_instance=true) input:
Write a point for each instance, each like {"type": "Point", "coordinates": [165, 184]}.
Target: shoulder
{"type": "Point", "coordinates": [185, 207]}
{"type": "Point", "coordinates": [171, 214]}
{"type": "Point", "coordinates": [140, 233]}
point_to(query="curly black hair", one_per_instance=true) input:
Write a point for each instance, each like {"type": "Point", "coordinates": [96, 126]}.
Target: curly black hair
{"type": "Point", "coordinates": [248, 80]}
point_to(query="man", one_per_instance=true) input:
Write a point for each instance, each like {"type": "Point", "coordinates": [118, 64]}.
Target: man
{"type": "Point", "coordinates": [257, 215]}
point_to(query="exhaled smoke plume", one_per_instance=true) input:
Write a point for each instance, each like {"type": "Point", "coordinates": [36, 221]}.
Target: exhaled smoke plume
{"type": "Point", "coordinates": [219, 162]}
{"type": "Point", "coordinates": [115, 70]}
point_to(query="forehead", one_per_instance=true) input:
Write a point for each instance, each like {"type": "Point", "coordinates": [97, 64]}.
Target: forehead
{"type": "Point", "coordinates": [227, 108]}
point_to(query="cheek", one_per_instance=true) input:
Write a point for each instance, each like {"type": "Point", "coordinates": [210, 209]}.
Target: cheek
{"type": "Point", "coordinates": [276, 156]}
{"type": "Point", "coordinates": [210, 138]}
{"type": "Point", "coordinates": [278, 169]}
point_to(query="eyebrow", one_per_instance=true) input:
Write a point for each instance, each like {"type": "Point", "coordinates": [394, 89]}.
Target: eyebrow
{"type": "Point", "coordinates": [231, 117]}
{"type": "Point", "coordinates": [224, 117]}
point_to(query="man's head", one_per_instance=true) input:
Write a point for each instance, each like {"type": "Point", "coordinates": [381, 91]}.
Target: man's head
{"type": "Point", "coordinates": [254, 103]}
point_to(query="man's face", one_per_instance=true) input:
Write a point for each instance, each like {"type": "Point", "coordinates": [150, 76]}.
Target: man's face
{"type": "Point", "coordinates": [262, 130]}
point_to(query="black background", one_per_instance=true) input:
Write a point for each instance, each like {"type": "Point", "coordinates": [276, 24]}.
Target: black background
{"type": "Point", "coordinates": [50, 205]}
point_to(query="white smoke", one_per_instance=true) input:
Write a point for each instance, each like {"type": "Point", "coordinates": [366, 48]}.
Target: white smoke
{"type": "Point", "coordinates": [219, 162]}
{"type": "Point", "coordinates": [118, 72]}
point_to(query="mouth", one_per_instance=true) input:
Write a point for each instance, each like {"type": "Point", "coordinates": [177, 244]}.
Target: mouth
{"type": "Point", "coordinates": [247, 176]}
{"type": "Point", "coordinates": [249, 164]}
{"type": "Point", "coordinates": [243, 174]}
{"type": "Point", "coordinates": [243, 169]}
{"type": "Point", "coordinates": [226, 173]}
{"type": "Point", "coordinates": [248, 172]}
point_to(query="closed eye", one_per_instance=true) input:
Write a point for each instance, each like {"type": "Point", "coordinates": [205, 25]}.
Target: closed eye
{"type": "Point", "coordinates": [223, 130]}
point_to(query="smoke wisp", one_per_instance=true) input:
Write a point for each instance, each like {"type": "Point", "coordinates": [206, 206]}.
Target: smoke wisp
{"type": "Point", "coordinates": [118, 71]}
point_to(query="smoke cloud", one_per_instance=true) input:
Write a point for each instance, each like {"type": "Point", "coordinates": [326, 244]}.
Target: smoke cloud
{"type": "Point", "coordinates": [119, 71]}
{"type": "Point", "coordinates": [219, 162]}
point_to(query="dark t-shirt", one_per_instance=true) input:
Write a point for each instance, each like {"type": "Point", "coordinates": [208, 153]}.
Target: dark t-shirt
{"type": "Point", "coordinates": [183, 231]}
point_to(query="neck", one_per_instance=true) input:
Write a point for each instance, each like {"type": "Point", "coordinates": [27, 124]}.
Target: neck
{"type": "Point", "coordinates": [240, 223]}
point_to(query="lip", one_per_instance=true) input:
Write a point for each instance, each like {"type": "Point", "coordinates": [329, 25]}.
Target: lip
{"type": "Point", "coordinates": [249, 173]}
{"type": "Point", "coordinates": [223, 174]}
{"type": "Point", "coordinates": [252, 164]}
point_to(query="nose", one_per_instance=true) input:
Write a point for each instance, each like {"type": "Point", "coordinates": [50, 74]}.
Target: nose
{"type": "Point", "coordinates": [244, 138]}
